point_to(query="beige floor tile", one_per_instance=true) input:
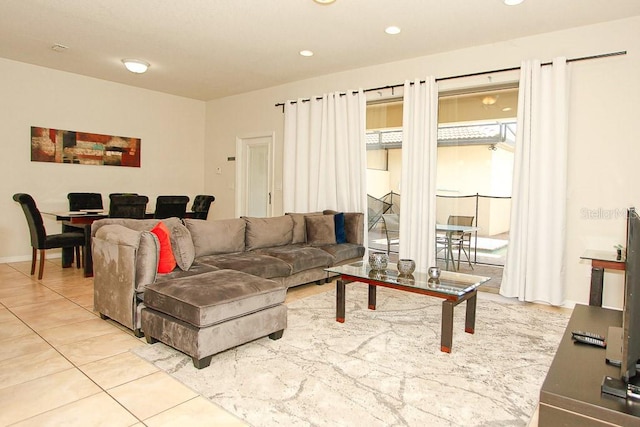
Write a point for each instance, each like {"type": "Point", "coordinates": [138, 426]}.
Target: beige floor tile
{"type": "Point", "coordinates": [99, 347]}
{"type": "Point", "coordinates": [15, 280]}
{"type": "Point", "coordinates": [195, 413]}
{"type": "Point", "coordinates": [52, 314]}
{"type": "Point", "coordinates": [31, 366]}
{"type": "Point", "coordinates": [6, 315]}
{"type": "Point", "coordinates": [85, 301]}
{"type": "Point", "coordinates": [83, 413]}
{"type": "Point", "coordinates": [150, 395]}
{"type": "Point", "coordinates": [27, 294]}
{"type": "Point", "coordinates": [25, 400]}
{"type": "Point", "coordinates": [12, 328]}
{"type": "Point", "coordinates": [22, 346]}
{"type": "Point", "coordinates": [117, 370]}
{"type": "Point", "coordinates": [67, 334]}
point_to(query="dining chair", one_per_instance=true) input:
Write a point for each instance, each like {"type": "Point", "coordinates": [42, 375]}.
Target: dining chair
{"type": "Point", "coordinates": [171, 206]}
{"type": "Point", "coordinates": [201, 205]}
{"type": "Point", "coordinates": [461, 240]}
{"type": "Point", "coordinates": [80, 201]}
{"type": "Point", "coordinates": [391, 228]}
{"type": "Point", "coordinates": [40, 240]}
{"type": "Point", "coordinates": [127, 206]}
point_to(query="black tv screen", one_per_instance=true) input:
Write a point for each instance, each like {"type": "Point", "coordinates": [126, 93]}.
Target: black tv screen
{"type": "Point", "coordinates": [631, 313]}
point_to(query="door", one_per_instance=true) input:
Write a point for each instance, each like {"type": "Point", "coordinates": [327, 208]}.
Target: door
{"type": "Point", "coordinates": [254, 176]}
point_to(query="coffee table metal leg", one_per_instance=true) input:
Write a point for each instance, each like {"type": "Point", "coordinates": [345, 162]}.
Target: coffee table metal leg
{"type": "Point", "coordinates": [446, 333]}
{"type": "Point", "coordinates": [372, 297]}
{"type": "Point", "coordinates": [470, 318]}
{"type": "Point", "coordinates": [340, 300]}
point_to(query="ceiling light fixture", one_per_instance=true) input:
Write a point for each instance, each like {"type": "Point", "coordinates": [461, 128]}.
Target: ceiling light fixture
{"type": "Point", "coordinates": [392, 30]}
{"type": "Point", "coordinates": [59, 47]}
{"type": "Point", "coordinates": [306, 53]}
{"type": "Point", "coordinates": [489, 100]}
{"type": "Point", "coordinates": [512, 2]}
{"type": "Point", "coordinates": [135, 65]}
{"type": "Point", "coordinates": [324, 1]}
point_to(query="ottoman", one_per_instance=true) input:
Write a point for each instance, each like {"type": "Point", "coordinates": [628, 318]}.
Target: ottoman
{"type": "Point", "coordinates": [205, 314]}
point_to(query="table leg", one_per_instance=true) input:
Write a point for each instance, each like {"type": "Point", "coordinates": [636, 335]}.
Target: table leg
{"type": "Point", "coordinates": [340, 288]}
{"type": "Point", "coordinates": [372, 297]}
{"type": "Point", "coordinates": [88, 258]}
{"type": "Point", "coordinates": [470, 318]}
{"type": "Point", "coordinates": [446, 332]}
{"type": "Point", "coordinates": [67, 253]}
{"type": "Point", "coordinates": [597, 283]}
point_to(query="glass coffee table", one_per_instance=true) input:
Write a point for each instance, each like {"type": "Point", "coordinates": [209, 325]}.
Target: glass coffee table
{"type": "Point", "coordinates": [454, 288]}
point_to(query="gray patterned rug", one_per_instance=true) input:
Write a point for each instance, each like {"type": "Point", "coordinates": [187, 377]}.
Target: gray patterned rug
{"type": "Point", "coordinates": [383, 367]}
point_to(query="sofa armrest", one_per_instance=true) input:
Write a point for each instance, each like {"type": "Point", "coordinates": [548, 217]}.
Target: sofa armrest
{"type": "Point", "coordinates": [124, 262]}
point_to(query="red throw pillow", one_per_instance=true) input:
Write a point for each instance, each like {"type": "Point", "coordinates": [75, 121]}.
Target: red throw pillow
{"type": "Point", "coordinates": [167, 261]}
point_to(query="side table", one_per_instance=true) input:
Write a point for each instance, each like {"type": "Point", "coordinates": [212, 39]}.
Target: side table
{"type": "Point", "coordinates": [601, 260]}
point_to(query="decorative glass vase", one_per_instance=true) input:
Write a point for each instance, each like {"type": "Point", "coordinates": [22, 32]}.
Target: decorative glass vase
{"type": "Point", "coordinates": [378, 260]}
{"type": "Point", "coordinates": [406, 266]}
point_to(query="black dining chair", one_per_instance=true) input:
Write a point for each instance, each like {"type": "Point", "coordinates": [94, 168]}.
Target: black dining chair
{"type": "Point", "coordinates": [40, 241]}
{"type": "Point", "coordinates": [80, 201]}
{"type": "Point", "coordinates": [201, 205]}
{"type": "Point", "coordinates": [127, 206]}
{"type": "Point", "coordinates": [171, 206]}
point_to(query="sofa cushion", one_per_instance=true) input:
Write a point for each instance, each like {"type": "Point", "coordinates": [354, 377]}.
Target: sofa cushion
{"type": "Point", "coordinates": [344, 251]}
{"type": "Point", "coordinates": [300, 257]}
{"type": "Point", "coordinates": [196, 269]}
{"type": "Point", "coordinates": [341, 235]}
{"type": "Point", "coordinates": [268, 232]}
{"type": "Point", "coordinates": [299, 226]}
{"type": "Point", "coordinates": [321, 230]}
{"type": "Point", "coordinates": [216, 237]}
{"type": "Point", "coordinates": [182, 245]}
{"type": "Point", "coordinates": [166, 260]}
{"type": "Point", "coordinates": [249, 262]}
{"type": "Point", "coordinates": [214, 297]}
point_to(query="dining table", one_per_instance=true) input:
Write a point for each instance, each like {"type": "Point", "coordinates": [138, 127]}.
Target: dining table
{"type": "Point", "coordinates": [449, 230]}
{"type": "Point", "coordinates": [83, 219]}
{"type": "Point", "coordinates": [79, 220]}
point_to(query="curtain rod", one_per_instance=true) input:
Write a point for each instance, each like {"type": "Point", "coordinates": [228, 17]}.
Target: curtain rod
{"type": "Point", "coordinates": [480, 73]}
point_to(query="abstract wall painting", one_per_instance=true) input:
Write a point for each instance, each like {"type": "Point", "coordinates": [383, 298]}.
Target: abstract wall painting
{"type": "Point", "coordinates": [64, 146]}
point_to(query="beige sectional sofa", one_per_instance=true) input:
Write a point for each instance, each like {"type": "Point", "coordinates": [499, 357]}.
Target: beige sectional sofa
{"type": "Point", "coordinates": [286, 251]}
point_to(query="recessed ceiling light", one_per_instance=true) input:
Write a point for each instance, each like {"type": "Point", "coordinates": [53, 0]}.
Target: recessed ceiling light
{"type": "Point", "coordinates": [392, 30]}
{"type": "Point", "coordinates": [306, 53]}
{"type": "Point", "coordinates": [505, 109]}
{"type": "Point", "coordinates": [512, 2]}
{"type": "Point", "coordinates": [324, 1]}
{"type": "Point", "coordinates": [135, 65]}
{"type": "Point", "coordinates": [489, 100]}
{"type": "Point", "coordinates": [59, 47]}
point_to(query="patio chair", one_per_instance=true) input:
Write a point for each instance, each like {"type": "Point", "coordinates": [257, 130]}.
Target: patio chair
{"type": "Point", "coordinates": [461, 240]}
{"type": "Point", "coordinates": [375, 209]}
{"type": "Point", "coordinates": [391, 226]}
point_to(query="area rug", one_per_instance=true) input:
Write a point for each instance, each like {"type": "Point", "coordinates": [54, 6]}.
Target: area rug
{"type": "Point", "coordinates": [382, 367]}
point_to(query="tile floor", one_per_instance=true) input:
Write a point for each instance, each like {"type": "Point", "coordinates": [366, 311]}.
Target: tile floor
{"type": "Point", "coordinates": [60, 364]}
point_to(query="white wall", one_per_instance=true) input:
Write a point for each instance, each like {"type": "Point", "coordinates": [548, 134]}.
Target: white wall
{"type": "Point", "coordinates": [171, 129]}
{"type": "Point", "coordinates": [604, 151]}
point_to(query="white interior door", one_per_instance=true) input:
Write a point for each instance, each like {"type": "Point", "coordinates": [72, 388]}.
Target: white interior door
{"type": "Point", "coordinates": [254, 176]}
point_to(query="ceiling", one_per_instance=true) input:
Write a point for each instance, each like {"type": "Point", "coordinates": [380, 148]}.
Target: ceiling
{"type": "Point", "coordinates": [207, 49]}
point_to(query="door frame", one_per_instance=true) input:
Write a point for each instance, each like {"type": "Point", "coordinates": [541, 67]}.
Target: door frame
{"type": "Point", "coordinates": [242, 142]}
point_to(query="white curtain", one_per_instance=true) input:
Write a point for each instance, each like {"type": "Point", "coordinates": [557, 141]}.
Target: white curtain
{"type": "Point", "coordinates": [325, 154]}
{"type": "Point", "coordinates": [418, 180]}
{"type": "Point", "coordinates": [534, 269]}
